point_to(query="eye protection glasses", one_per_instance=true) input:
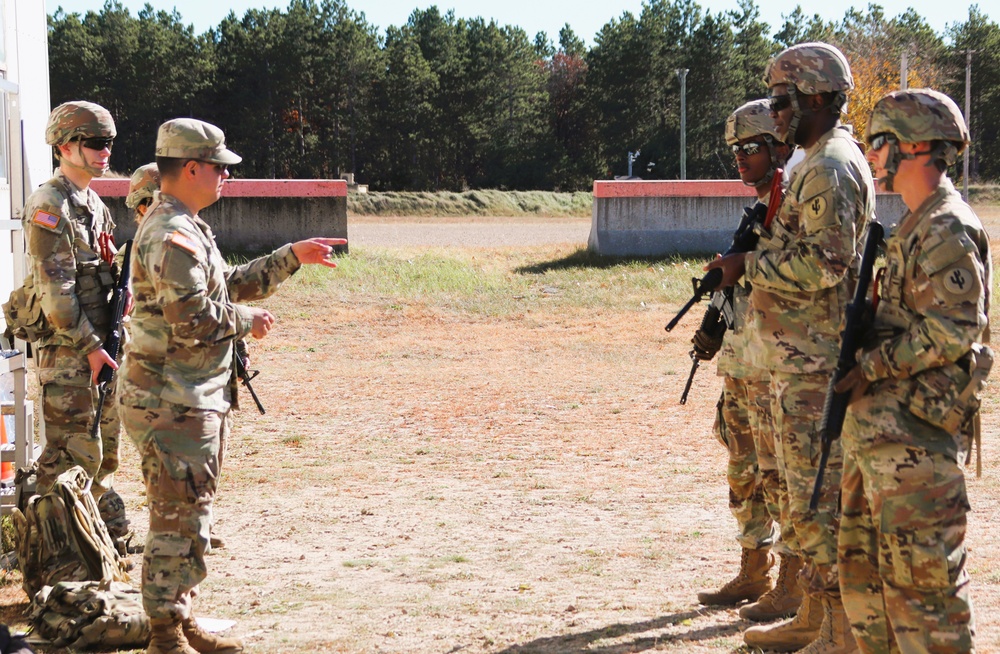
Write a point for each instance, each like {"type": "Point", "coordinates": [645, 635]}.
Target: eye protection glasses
{"type": "Point", "coordinates": [96, 143]}
{"type": "Point", "coordinates": [780, 102]}
{"type": "Point", "coordinates": [880, 140]}
{"type": "Point", "coordinates": [749, 149]}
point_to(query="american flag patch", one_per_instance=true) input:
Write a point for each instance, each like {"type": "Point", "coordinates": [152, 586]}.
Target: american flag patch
{"type": "Point", "coordinates": [184, 242]}
{"type": "Point", "coordinates": [46, 219]}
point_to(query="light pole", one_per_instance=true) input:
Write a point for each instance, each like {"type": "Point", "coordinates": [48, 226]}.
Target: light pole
{"type": "Point", "coordinates": [968, 123]}
{"type": "Point", "coordinates": [682, 76]}
{"type": "Point", "coordinates": [632, 156]}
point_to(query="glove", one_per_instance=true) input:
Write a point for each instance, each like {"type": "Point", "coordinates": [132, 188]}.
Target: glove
{"type": "Point", "coordinates": [705, 345]}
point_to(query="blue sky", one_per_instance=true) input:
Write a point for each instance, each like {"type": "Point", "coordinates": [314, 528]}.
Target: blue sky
{"type": "Point", "coordinates": [586, 17]}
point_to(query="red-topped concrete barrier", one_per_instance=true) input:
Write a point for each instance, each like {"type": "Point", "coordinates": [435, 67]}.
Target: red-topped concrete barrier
{"type": "Point", "coordinates": [254, 214]}
{"type": "Point", "coordinates": [661, 218]}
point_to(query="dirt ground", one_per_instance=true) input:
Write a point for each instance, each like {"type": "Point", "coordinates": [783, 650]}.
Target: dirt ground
{"type": "Point", "coordinates": [428, 482]}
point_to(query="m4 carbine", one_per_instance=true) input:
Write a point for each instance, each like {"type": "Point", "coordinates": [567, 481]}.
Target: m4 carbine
{"type": "Point", "coordinates": [113, 341]}
{"type": "Point", "coordinates": [719, 314]}
{"type": "Point", "coordinates": [858, 320]}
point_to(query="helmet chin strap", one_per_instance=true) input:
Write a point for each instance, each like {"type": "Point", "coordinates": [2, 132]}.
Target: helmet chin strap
{"type": "Point", "coordinates": [793, 124]}
{"type": "Point", "coordinates": [93, 171]}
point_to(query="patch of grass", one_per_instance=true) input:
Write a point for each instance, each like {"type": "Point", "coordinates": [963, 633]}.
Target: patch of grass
{"type": "Point", "coordinates": [360, 563]}
{"type": "Point", "coordinates": [472, 203]}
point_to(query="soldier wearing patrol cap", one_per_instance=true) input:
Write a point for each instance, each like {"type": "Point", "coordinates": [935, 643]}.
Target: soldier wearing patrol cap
{"type": "Point", "coordinates": [71, 267]}
{"type": "Point", "coordinates": [144, 183]}
{"type": "Point", "coordinates": [178, 380]}
{"type": "Point", "coordinates": [915, 391]}
{"type": "Point", "coordinates": [742, 422]}
{"type": "Point", "coordinates": [802, 274]}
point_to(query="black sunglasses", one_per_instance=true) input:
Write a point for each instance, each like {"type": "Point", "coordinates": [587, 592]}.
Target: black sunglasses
{"type": "Point", "coordinates": [780, 102]}
{"type": "Point", "coordinates": [96, 142]}
{"type": "Point", "coordinates": [881, 139]}
{"type": "Point", "coordinates": [749, 149]}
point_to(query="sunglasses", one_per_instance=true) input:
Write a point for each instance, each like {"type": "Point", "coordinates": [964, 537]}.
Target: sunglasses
{"type": "Point", "coordinates": [749, 149]}
{"type": "Point", "coordinates": [780, 102]}
{"type": "Point", "coordinates": [220, 169]}
{"type": "Point", "coordinates": [880, 140]}
{"type": "Point", "coordinates": [96, 142]}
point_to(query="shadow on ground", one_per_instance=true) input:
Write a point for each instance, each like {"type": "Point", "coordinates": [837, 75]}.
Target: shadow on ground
{"type": "Point", "coordinates": [581, 643]}
{"type": "Point", "coordinates": [584, 258]}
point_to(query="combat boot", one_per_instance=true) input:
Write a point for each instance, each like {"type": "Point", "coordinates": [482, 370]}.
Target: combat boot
{"type": "Point", "coordinates": [208, 643]}
{"type": "Point", "coordinates": [835, 635]}
{"type": "Point", "coordinates": [168, 638]}
{"type": "Point", "coordinates": [750, 582]}
{"type": "Point", "coordinates": [792, 634]}
{"type": "Point", "coordinates": [781, 601]}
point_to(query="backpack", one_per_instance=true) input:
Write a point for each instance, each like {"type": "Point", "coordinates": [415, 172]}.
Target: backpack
{"type": "Point", "coordinates": [61, 537]}
{"type": "Point", "coordinates": [23, 313]}
{"type": "Point", "coordinates": [81, 614]}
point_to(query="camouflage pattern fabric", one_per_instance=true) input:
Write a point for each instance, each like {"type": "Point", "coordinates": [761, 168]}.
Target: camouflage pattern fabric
{"type": "Point", "coordinates": [78, 118]}
{"type": "Point", "coordinates": [902, 551]}
{"type": "Point", "coordinates": [61, 537]}
{"type": "Point", "coordinates": [800, 277]}
{"type": "Point", "coordinates": [918, 115]}
{"type": "Point", "coordinates": [178, 384]}
{"type": "Point", "coordinates": [811, 68]}
{"type": "Point", "coordinates": [62, 226]}
{"type": "Point", "coordinates": [87, 614]}
{"type": "Point", "coordinates": [188, 138]}
{"type": "Point", "coordinates": [734, 429]}
{"type": "Point", "coordinates": [144, 182]}
{"type": "Point", "coordinates": [772, 484]}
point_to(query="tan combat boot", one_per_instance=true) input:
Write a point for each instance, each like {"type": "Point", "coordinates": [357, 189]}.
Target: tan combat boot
{"type": "Point", "coordinates": [835, 635]}
{"type": "Point", "coordinates": [208, 643]}
{"type": "Point", "coordinates": [783, 600]}
{"type": "Point", "coordinates": [168, 638]}
{"type": "Point", "coordinates": [750, 582]}
{"type": "Point", "coordinates": [792, 634]}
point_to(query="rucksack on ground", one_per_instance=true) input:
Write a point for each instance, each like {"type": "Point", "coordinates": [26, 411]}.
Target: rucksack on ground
{"type": "Point", "coordinates": [61, 537]}
{"type": "Point", "coordinates": [83, 614]}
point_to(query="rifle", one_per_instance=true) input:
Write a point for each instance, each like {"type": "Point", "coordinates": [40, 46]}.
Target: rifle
{"type": "Point", "coordinates": [856, 323]}
{"type": "Point", "coordinates": [717, 319]}
{"type": "Point", "coordinates": [113, 341]}
{"type": "Point", "coordinates": [240, 354]}
{"type": "Point", "coordinates": [744, 240]}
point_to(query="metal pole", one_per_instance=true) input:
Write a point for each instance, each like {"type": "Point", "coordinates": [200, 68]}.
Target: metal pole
{"type": "Point", "coordinates": [968, 123]}
{"type": "Point", "coordinates": [904, 72]}
{"type": "Point", "coordinates": [682, 75]}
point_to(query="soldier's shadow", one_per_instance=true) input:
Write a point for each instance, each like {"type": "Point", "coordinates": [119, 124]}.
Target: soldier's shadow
{"type": "Point", "coordinates": [583, 642]}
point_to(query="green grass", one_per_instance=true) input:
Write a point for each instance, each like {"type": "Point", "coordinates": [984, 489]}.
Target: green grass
{"type": "Point", "coordinates": [471, 203]}
{"type": "Point", "coordinates": [500, 284]}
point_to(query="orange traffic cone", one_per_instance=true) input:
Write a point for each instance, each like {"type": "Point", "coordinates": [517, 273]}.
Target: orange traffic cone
{"type": "Point", "coordinates": [7, 467]}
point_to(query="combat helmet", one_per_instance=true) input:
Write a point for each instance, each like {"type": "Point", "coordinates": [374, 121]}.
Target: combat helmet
{"type": "Point", "coordinates": [145, 181]}
{"type": "Point", "coordinates": [754, 119]}
{"type": "Point", "coordinates": [78, 118]}
{"type": "Point", "coordinates": [810, 69]}
{"type": "Point", "coordinates": [914, 116]}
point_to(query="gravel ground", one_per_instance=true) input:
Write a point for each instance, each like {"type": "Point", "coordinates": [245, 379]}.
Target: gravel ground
{"type": "Point", "coordinates": [490, 232]}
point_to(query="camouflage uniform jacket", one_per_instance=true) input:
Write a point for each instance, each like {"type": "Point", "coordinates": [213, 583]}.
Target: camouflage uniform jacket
{"type": "Point", "coordinates": [802, 272]}
{"type": "Point", "coordinates": [185, 319]}
{"type": "Point", "coordinates": [62, 224]}
{"type": "Point", "coordinates": [734, 356]}
{"type": "Point", "coordinates": [935, 292]}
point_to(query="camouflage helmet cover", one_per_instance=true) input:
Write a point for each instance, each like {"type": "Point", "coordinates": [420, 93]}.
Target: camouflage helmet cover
{"type": "Point", "coordinates": [78, 118]}
{"type": "Point", "coordinates": [752, 119]}
{"type": "Point", "coordinates": [811, 68]}
{"type": "Point", "coordinates": [145, 181]}
{"type": "Point", "coordinates": [917, 115]}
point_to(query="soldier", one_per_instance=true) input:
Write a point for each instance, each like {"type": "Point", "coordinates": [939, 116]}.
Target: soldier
{"type": "Point", "coordinates": [70, 259]}
{"type": "Point", "coordinates": [915, 389]}
{"type": "Point", "coordinates": [742, 423]}
{"type": "Point", "coordinates": [145, 181]}
{"type": "Point", "coordinates": [802, 275]}
{"type": "Point", "coordinates": [178, 380]}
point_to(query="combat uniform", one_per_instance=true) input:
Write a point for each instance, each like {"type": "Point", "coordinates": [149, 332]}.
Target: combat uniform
{"type": "Point", "coordinates": [178, 384]}
{"type": "Point", "coordinates": [64, 226]}
{"type": "Point", "coordinates": [801, 284]}
{"type": "Point", "coordinates": [902, 542]}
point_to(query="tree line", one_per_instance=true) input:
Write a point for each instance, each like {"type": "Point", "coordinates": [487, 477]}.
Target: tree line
{"type": "Point", "coordinates": [447, 103]}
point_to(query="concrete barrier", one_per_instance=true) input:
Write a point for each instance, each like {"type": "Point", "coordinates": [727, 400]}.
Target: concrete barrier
{"type": "Point", "coordinates": [661, 218]}
{"type": "Point", "coordinates": [254, 214]}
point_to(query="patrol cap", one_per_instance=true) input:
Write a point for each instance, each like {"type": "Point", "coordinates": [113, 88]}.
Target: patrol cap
{"type": "Point", "coordinates": [188, 138]}
{"type": "Point", "coordinates": [145, 181]}
{"type": "Point", "coordinates": [78, 119]}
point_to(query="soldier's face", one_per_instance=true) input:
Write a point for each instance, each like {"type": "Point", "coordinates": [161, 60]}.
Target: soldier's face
{"type": "Point", "coordinates": [781, 109]}
{"type": "Point", "coordinates": [753, 159]}
{"type": "Point", "coordinates": [94, 161]}
{"type": "Point", "coordinates": [878, 157]}
{"type": "Point", "coordinates": [208, 180]}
